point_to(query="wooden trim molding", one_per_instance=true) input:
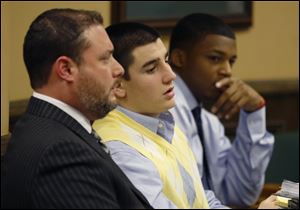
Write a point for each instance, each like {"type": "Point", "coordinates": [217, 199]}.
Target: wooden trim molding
{"type": "Point", "coordinates": [4, 143]}
{"type": "Point", "coordinates": [269, 87]}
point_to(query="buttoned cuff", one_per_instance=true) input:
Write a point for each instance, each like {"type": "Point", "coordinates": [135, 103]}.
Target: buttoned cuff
{"type": "Point", "coordinates": [255, 124]}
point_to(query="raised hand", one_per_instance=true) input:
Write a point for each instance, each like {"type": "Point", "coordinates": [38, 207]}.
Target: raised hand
{"type": "Point", "coordinates": [236, 95]}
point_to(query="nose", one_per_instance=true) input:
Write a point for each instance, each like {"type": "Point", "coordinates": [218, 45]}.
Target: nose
{"type": "Point", "coordinates": [226, 69]}
{"type": "Point", "coordinates": [117, 69]}
{"type": "Point", "coordinates": [169, 75]}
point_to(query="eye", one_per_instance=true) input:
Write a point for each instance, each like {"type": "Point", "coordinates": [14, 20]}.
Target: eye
{"type": "Point", "coordinates": [167, 59]}
{"type": "Point", "coordinates": [106, 57]}
{"type": "Point", "coordinates": [214, 58]}
{"type": "Point", "coordinates": [150, 71]}
{"type": "Point", "coordinates": [232, 61]}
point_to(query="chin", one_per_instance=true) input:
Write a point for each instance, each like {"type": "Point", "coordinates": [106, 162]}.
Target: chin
{"type": "Point", "coordinates": [170, 105]}
{"type": "Point", "coordinates": [210, 97]}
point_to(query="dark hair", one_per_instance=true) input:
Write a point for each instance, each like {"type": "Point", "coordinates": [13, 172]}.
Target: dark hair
{"type": "Point", "coordinates": [126, 37]}
{"type": "Point", "coordinates": [54, 33]}
{"type": "Point", "coordinates": [194, 27]}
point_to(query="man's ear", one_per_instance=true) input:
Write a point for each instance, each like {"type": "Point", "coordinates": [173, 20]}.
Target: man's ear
{"type": "Point", "coordinates": [120, 90]}
{"type": "Point", "coordinates": [177, 58]}
{"type": "Point", "coordinates": [65, 68]}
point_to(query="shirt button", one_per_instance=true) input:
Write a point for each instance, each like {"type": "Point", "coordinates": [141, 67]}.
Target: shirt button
{"type": "Point", "coordinates": [160, 125]}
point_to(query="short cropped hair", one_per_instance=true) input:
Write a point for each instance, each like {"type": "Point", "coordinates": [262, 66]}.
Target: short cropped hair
{"type": "Point", "coordinates": [126, 37]}
{"type": "Point", "coordinates": [55, 33]}
{"type": "Point", "coordinates": [194, 28]}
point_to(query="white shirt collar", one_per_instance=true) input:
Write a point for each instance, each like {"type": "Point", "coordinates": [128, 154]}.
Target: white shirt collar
{"type": "Point", "coordinates": [74, 113]}
{"type": "Point", "coordinates": [190, 98]}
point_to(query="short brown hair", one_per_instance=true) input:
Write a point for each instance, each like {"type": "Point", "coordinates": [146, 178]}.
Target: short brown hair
{"type": "Point", "coordinates": [54, 33]}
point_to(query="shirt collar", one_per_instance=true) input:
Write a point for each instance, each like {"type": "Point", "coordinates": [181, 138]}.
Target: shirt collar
{"type": "Point", "coordinates": [151, 123]}
{"type": "Point", "coordinates": [187, 93]}
{"type": "Point", "coordinates": [74, 113]}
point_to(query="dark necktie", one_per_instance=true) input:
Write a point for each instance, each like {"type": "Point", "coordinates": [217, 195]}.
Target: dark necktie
{"type": "Point", "coordinates": [96, 136]}
{"type": "Point", "coordinates": [206, 174]}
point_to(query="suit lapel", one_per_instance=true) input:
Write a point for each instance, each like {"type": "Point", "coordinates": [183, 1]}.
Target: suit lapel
{"type": "Point", "coordinates": [47, 110]}
{"type": "Point", "coordinates": [44, 109]}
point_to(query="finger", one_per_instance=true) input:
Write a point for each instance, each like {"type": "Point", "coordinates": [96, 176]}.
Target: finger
{"type": "Point", "coordinates": [235, 109]}
{"type": "Point", "coordinates": [253, 98]}
{"type": "Point", "coordinates": [223, 98]}
{"type": "Point", "coordinates": [228, 105]}
{"type": "Point", "coordinates": [225, 82]}
{"type": "Point", "coordinates": [217, 107]}
{"type": "Point", "coordinates": [272, 197]}
{"type": "Point", "coordinates": [233, 105]}
{"type": "Point", "coordinates": [232, 112]}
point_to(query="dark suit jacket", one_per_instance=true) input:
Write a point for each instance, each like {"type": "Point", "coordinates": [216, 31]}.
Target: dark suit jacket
{"type": "Point", "coordinates": [53, 162]}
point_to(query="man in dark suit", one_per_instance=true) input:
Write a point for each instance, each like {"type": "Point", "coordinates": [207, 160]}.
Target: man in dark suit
{"type": "Point", "coordinates": [53, 159]}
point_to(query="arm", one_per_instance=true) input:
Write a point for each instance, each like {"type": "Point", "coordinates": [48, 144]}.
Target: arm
{"type": "Point", "coordinates": [237, 170]}
{"type": "Point", "coordinates": [213, 202]}
{"type": "Point", "coordinates": [240, 167]}
{"type": "Point", "coordinates": [253, 144]}
{"type": "Point", "coordinates": [141, 172]}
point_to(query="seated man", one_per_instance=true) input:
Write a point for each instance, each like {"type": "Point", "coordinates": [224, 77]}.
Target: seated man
{"type": "Point", "coordinates": [202, 52]}
{"type": "Point", "coordinates": [53, 160]}
{"type": "Point", "coordinates": [140, 134]}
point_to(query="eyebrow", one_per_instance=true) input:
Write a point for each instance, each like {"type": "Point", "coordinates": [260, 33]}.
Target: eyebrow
{"type": "Point", "coordinates": [153, 61]}
{"type": "Point", "coordinates": [106, 54]}
{"type": "Point", "coordinates": [222, 53]}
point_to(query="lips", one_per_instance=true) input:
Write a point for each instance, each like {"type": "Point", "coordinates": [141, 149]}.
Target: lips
{"type": "Point", "coordinates": [116, 84]}
{"type": "Point", "coordinates": [169, 90]}
{"type": "Point", "coordinates": [169, 94]}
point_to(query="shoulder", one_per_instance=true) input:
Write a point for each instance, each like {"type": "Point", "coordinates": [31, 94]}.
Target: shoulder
{"type": "Point", "coordinates": [36, 138]}
{"type": "Point", "coordinates": [122, 152]}
{"type": "Point", "coordinates": [131, 161]}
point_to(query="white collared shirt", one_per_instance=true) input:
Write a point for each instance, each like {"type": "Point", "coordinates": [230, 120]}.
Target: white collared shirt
{"type": "Point", "coordinates": [74, 113]}
{"type": "Point", "coordinates": [237, 169]}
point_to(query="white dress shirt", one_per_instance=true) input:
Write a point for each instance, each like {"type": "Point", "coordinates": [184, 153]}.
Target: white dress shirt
{"type": "Point", "coordinates": [237, 170]}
